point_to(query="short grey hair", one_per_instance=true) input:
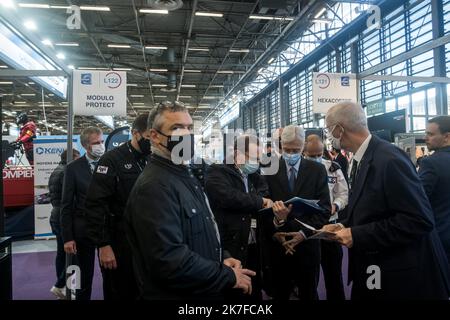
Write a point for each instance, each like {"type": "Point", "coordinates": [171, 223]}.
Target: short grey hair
{"type": "Point", "coordinates": [84, 136]}
{"type": "Point", "coordinates": [292, 133]}
{"type": "Point", "coordinates": [153, 121]}
{"type": "Point", "coordinates": [349, 115]}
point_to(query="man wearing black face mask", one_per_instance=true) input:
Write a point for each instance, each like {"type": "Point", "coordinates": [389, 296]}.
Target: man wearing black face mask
{"type": "Point", "coordinates": [177, 252]}
{"type": "Point", "coordinates": [112, 181]}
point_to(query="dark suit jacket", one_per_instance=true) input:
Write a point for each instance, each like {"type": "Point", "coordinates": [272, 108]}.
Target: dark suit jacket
{"type": "Point", "coordinates": [435, 175]}
{"type": "Point", "coordinates": [392, 227]}
{"type": "Point", "coordinates": [233, 206]}
{"type": "Point", "coordinates": [77, 178]}
{"type": "Point", "coordinates": [311, 183]}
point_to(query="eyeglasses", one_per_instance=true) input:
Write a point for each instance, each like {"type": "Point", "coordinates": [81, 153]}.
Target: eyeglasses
{"type": "Point", "coordinates": [328, 131]}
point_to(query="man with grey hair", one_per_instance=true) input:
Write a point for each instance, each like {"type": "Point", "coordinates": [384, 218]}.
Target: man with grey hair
{"type": "Point", "coordinates": [295, 261]}
{"type": "Point", "coordinates": [77, 177]}
{"type": "Point", "coordinates": [394, 249]}
{"type": "Point", "coordinates": [176, 246]}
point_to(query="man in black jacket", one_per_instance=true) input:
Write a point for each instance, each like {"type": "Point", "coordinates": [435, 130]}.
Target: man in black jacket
{"type": "Point", "coordinates": [55, 186]}
{"type": "Point", "coordinates": [77, 178]}
{"type": "Point", "coordinates": [111, 184]}
{"type": "Point", "coordinates": [435, 175]}
{"type": "Point", "coordinates": [295, 260]}
{"type": "Point", "coordinates": [173, 235]}
{"type": "Point", "coordinates": [236, 192]}
{"type": "Point", "coordinates": [394, 249]}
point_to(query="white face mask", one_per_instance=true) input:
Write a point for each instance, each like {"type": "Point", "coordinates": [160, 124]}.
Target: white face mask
{"type": "Point", "coordinates": [335, 142]}
{"type": "Point", "coordinates": [98, 150]}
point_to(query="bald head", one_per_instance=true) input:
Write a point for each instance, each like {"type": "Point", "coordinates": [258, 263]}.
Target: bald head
{"type": "Point", "coordinates": [349, 115]}
{"type": "Point", "coordinates": [314, 146]}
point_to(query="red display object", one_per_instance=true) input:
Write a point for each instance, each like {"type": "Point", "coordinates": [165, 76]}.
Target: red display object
{"type": "Point", "coordinates": [18, 186]}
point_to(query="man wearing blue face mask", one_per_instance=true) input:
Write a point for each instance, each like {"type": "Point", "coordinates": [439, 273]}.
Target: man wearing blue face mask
{"type": "Point", "coordinates": [295, 260]}
{"type": "Point", "coordinates": [237, 191]}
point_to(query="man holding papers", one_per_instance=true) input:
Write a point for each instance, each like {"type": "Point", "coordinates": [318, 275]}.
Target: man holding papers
{"type": "Point", "coordinates": [395, 252]}
{"type": "Point", "coordinates": [294, 260]}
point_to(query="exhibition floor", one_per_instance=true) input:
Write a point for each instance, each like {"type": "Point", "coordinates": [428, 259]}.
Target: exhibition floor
{"type": "Point", "coordinates": [34, 273]}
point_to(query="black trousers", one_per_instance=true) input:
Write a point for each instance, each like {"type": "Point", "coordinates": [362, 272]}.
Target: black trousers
{"type": "Point", "coordinates": [301, 269]}
{"type": "Point", "coordinates": [85, 259]}
{"type": "Point", "coordinates": [120, 284]}
{"type": "Point", "coordinates": [331, 261]}
{"type": "Point", "coordinates": [60, 260]}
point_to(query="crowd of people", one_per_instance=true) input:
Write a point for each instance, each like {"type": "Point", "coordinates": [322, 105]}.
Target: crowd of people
{"type": "Point", "coordinates": [166, 227]}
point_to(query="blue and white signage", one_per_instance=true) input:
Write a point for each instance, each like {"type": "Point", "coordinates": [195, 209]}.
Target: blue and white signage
{"type": "Point", "coordinates": [332, 88]}
{"type": "Point", "coordinates": [99, 93]}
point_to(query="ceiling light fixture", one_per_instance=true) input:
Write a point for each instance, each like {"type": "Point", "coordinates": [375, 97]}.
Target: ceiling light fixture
{"type": "Point", "coordinates": [156, 47]}
{"type": "Point", "coordinates": [188, 85]}
{"type": "Point", "coordinates": [91, 68]}
{"type": "Point", "coordinates": [136, 95]}
{"type": "Point", "coordinates": [160, 85]}
{"type": "Point", "coordinates": [160, 96]}
{"type": "Point", "coordinates": [30, 25]}
{"type": "Point", "coordinates": [259, 17]}
{"type": "Point", "coordinates": [94, 8]}
{"type": "Point", "coordinates": [125, 46]}
{"type": "Point", "coordinates": [192, 71]}
{"type": "Point", "coordinates": [321, 12]}
{"type": "Point", "coordinates": [6, 82]}
{"type": "Point", "coordinates": [28, 94]}
{"type": "Point", "coordinates": [34, 5]}
{"type": "Point", "coordinates": [60, 7]}
{"type": "Point", "coordinates": [61, 56]}
{"type": "Point", "coordinates": [198, 49]}
{"type": "Point", "coordinates": [47, 42]}
{"type": "Point", "coordinates": [67, 44]}
{"type": "Point", "coordinates": [226, 71]}
{"type": "Point", "coordinates": [154, 11]}
{"type": "Point", "coordinates": [240, 50]}
{"type": "Point", "coordinates": [3, 67]}
{"type": "Point", "coordinates": [209, 14]}
{"type": "Point", "coordinates": [158, 70]}
{"type": "Point", "coordinates": [271, 60]}
{"type": "Point", "coordinates": [122, 69]}
{"type": "Point", "coordinates": [185, 97]}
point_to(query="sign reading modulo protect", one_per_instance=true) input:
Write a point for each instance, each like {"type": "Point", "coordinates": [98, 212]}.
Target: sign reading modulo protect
{"type": "Point", "coordinates": [333, 88]}
{"type": "Point", "coordinates": [99, 93]}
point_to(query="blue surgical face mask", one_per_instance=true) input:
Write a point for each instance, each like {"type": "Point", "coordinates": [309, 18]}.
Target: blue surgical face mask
{"type": "Point", "coordinates": [292, 159]}
{"type": "Point", "coordinates": [249, 168]}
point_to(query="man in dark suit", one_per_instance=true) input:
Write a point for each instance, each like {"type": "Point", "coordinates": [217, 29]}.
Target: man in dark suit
{"type": "Point", "coordinates": [294, 260]}
{"type": "Point", "coordinates": [341, 160]}
{"type": "Point", "coordinates": [77, 178]}
{"type": "Point", "coordinates": [394, 249]}
{"type": "Point", "coordinates": [435, 175]}
{"type": "Point", "coordinates": [236, 192]}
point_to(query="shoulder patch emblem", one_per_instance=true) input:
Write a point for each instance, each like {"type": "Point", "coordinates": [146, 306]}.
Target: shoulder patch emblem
{"type": "Point", "coordinates": [128, 166]}
{"type": "Point", "coordinates": [102, 169]}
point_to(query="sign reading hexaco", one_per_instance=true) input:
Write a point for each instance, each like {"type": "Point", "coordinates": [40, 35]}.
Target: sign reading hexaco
{"type": "Point", "coordinates": [332, 88]}
{"type": "Point", "coordinates": [99, 93]}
